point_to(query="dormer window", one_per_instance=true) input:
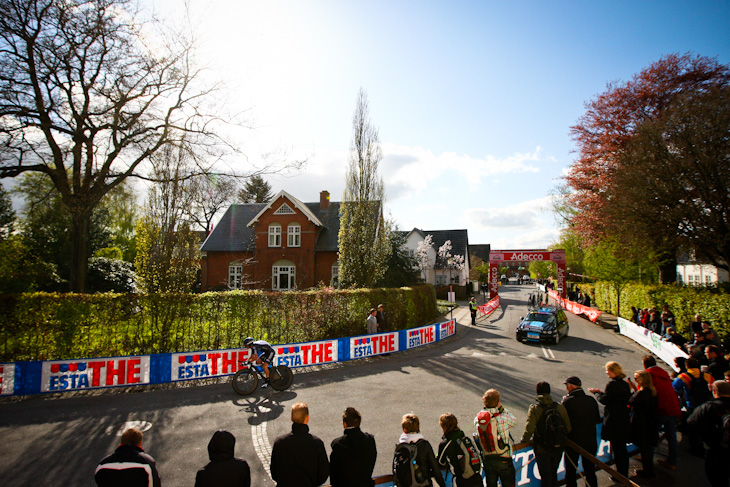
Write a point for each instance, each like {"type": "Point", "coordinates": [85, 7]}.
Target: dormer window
{"type": "Point", "coordinates": [294, 235]}
{"type": "Point", "coordinates": [274, 235]}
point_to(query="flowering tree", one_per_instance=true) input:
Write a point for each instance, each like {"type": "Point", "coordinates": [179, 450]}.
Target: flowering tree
{"type": "Point", "coordinates": [422, 254]}
{"type": "Point", "coordinates": [448, 261]}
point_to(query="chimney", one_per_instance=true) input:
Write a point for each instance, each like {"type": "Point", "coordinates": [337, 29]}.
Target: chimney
{"type": "Point", "coordinates": [324, 200]}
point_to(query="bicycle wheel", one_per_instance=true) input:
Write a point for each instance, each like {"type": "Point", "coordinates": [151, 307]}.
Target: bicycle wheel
{"type": "Point", "coordinates": [245, 381]}
{"type": "Point", "coordinates": [281, 377]}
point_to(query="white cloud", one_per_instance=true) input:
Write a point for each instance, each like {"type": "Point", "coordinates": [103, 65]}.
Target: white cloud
{"type": "Point", "coordinates": [523, 215]}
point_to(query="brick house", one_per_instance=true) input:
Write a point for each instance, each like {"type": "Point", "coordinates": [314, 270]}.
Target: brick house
{"type": "Point", "coordinates": [281, 245]}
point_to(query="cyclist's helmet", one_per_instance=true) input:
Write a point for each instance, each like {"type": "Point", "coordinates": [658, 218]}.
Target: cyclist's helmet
{"type": "Point", "coordinates": [247, 342]}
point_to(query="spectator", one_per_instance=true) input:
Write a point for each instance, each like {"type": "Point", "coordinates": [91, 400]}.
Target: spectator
{"type": "Point", "coordinates": [129, 465]}
{"type": "Point", "coordinates": [708, 419]}
{"type": "Point", "coordinates": [643, 404]}
{"type": "Point", "coordinates": [668, 410]}
{"type": "Point", "coordinates": [584, 415]}
{"type": "Point", "coordinates": [645, 317]}
{"type": "Point", "coordinates": [711, 335]}
{"type": "Point", "coordinates": [473, 311]}
{"type": "Point", "coordinates": [224, 470]}
{"type": "Point", "coordinates": [353, 455]}
{"type": "Point", "coordinates": [727, 376]}
{"type": "Point", "coordinates": [616, 427]}
{"type": "Point", "coordinates": [382, 319]}
{"type": "Point", "coordinates": [666, 312]}
{"type": "Point", "coordinates": [696, 325]}
{"type": "Point", "coordinates": [497, 466]}
{"type": "Point", "coordinates": [372, 322]}
{"type": "Point", "coordinates": [548, 460]}
{"type": "Point", "coordinates": [655, 323]}
{"type": "Point", "coordinates": [425, 459]}
{"type": "Point", "coordinates": [673, 337]}
{"type": "Point", "coordinates": [298, 459]}
{"type": "Point", "coordinates": [693, 389]}
{"type": "Point", "coordinates": [717, 362]}
{"type": "Point", "coordinates": [451, 453]}
{"type": "Point", "coordinates": [587, 301]}
{"type": "Point", "coordinates": [634, 315]}
{"type": "Point", "coordinates": [665, 326]}
{"type": "Point", "coordinates": [697, 345]}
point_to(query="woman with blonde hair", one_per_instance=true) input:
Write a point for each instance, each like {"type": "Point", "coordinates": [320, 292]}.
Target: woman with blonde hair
{"type": "Point", "coordinates": [616, 426]}
{"type": "Point", "coordinates": [643, 419]}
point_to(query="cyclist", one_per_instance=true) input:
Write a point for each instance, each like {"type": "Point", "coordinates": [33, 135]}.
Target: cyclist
{"type": "Point", "coordinates": [262, 353]}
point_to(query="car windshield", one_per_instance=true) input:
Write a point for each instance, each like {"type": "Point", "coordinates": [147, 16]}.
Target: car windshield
{"type": "Point", "coordinates": [544, 317]}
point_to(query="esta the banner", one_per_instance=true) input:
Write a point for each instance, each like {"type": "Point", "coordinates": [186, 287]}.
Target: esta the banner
{"type": "Point", "coordinates": [304, 354]}
{"type": "Point", "coordinates": [371, 345]}
{"type": "Point", "coordinates": [418, 337]}
{"type": "Point", "coordinates": [74, 375]}
{"type": "Point", "coordinates": [7, 379]}
{"type": "Point", "coordinates": [201, 365]}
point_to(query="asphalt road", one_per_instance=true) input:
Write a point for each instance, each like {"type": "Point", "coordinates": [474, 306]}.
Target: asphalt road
{"type": "Point", "coordinates": [58, 441]}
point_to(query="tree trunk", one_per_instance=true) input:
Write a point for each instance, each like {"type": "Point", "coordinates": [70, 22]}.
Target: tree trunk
{"type": "Point", "coordinates": [79, 251]}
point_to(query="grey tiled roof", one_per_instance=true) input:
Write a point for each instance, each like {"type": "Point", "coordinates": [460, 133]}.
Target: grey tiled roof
{"type": "Point", "coordinates": [459, 240]}
{"type": "Point", "coordinates": [481, 251]}
{"type": "Point", "coordinates": [232, 234]}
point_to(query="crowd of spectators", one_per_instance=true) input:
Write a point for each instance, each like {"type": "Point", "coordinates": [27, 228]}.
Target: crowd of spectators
{"type": "Point", "coordinates": [634, 411]}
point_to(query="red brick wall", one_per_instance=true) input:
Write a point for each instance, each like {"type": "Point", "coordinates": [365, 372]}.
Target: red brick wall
{"type": "Point", "coordinates": [215, 268]}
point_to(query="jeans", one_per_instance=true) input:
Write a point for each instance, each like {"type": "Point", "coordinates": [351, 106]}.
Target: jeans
{"type": "Point", "coordinates": [669, 425]}
{"type": "Point", "coordinates": [589, 470]}
{"type": "Point", "coordinates": [499, 468]}
{"type": "Point", "coordinates": [548, 464]}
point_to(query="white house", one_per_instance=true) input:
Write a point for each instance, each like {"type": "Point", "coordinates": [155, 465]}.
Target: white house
{"type": "Point", "coordinates": [437, 273]}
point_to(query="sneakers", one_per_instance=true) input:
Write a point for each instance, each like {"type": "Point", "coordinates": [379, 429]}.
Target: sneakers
{"type": "Point", "coordinates": [265, 384]}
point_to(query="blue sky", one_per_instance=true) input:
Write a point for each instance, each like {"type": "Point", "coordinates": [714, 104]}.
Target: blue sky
{"type": "Point", "coordinates": [473, 99]}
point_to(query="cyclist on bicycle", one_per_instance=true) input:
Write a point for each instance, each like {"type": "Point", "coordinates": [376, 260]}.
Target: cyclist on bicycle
{"type": "Point", "coordinates": [262, 354]}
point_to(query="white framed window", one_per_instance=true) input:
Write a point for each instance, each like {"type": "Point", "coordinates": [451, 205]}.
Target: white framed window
{"type": "Point", "coordinates": [274, 235]}
{"type": "Point", "coordinates": [235, 275]}
{"type": "Point", "coordinates": [283, 275]}
{"type": "Point", "coordinates": [294, 235]}
{"type": "Point", "coordinates": [335, 281]}
{"type": "Point", "coordinates": [284, 210]}
{"type": "Point", "coordinates": [708, 279]}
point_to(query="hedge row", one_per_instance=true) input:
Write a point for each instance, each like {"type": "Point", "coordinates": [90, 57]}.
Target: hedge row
{"type": "Point", "coordinates": [684, 302]}
{"type": "Point", "coordinates": [43, 326]}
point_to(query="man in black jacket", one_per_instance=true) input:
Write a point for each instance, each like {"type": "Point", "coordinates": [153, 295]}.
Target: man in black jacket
{"type": "Point", "coordinates": [298, 459]}
{"type": "Point", "coordinates": [584, 415]}
{"type": "Point", "coordinates": [129, 465]}
{"type": "Point", "coordinates": [353, 455]}
{"type": "Point", "coordinates": [224, 469]}
{"type": "Point", "coordinates": [708, 418]}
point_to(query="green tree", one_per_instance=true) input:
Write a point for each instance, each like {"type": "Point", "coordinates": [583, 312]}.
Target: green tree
{"type": "Point", "coordinates": [402, 267]}
{"type": "Point", "coordinates": [542, 269]}
{"type": "Point", "coordinates": [86, 98]}
{"type": "Point", "coordinates": [364, 238]}
{"type": "Point", "coordinates": [21, 270]}
{"type": "Point", "coordinates": [7, 215]}
{"type": "Point", "coordinates": [168, 257]}
{"type": "Point", "coordinates": [255, 190]}
{"type": "Point", "coordinates": [572, 243]}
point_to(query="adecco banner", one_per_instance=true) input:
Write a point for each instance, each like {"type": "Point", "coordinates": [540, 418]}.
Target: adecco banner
{"type": "Point", "coordinates": [496, 257]}
{"type": "Point", "coordinates": [25, 378]}
{"type": "Point", "coordinates": [575, 308]}
{"type": "Point", "coordinates": [651, 341]}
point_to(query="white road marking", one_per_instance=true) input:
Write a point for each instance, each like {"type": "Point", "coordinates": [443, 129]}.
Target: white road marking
{"type": "Point", "coordinates": [261, 444]}
{"type": "Point", "coordinates": [547, 352]}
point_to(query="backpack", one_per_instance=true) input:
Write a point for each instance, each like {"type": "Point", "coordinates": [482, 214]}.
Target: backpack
{"type": "Point", "coordinates": [406, 471]}
{"type": "Point", "coordinates": [699, 390]}
{"type": "Point", "coordinates": [551, 432]}
{"type": "Point", "coordinates": [470, 463]}
{"type": "Point", "coordinates": [489, 438]}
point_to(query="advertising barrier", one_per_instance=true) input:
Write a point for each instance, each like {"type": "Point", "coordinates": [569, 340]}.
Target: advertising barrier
{"type": "Point", "coordinates": [27, 378]}
{"type": "Point", "coordinates": [651, 341]}
{"type": "Point", "coordinates": [575, 308]}
{"type": "Point", "coordinates": [487, 308]}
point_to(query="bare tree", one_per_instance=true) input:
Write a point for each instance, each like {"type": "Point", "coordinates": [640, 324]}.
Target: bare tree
{"type": "Point", "coordinates": [210, 193]}
{"type": "Point", "coordinates": [364, 238]}
{"type": "Point", "coordinates": [86, 98]}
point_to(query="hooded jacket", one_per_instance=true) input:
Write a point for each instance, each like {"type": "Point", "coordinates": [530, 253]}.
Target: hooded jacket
{"type": "Point", "coordinates": [128, 466]}
{"type": "Point", "coordinates": [584, 415]}
{"type": "Point", "coordinates": [668, 402]}
{"type": "Point", "coordinates": [224, 470]}
{"type": "Point", "coordinates": [424, 455]}
{"type": "Point", "coordinates": [353, 459]}
{"type": "Point", "coordinates": [535, 413]}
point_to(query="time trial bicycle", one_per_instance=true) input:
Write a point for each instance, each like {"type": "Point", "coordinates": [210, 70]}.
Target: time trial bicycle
{"type": "Point", "coordinates": [248, 376]}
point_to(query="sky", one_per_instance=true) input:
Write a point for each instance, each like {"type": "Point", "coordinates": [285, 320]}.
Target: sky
{"type": "Point", "coordinates": [473, 100]}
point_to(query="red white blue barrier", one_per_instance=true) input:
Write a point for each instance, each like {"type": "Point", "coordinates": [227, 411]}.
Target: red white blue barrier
{"type": "Point", "coordinates": [38, 377]}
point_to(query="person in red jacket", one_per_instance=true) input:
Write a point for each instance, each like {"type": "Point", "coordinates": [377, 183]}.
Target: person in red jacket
{"type": "Point", "coordinates": [668, 410]}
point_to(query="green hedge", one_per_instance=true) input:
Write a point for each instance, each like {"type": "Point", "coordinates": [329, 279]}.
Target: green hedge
{"type": "Point", "coordinates": [684, 302]}
{"type": "Point", "coordinates": [41, 326]}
